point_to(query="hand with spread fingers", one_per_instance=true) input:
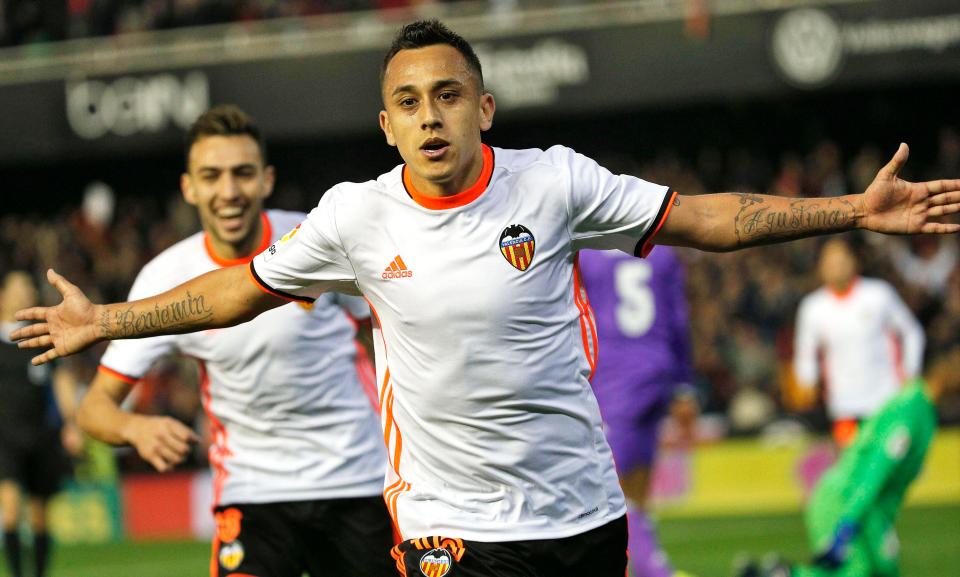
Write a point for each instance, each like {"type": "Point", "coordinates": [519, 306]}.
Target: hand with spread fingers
{"type": "Point", "coordinates": [894, 206]}
{"type": "Point", "coordinates": [69, 327]}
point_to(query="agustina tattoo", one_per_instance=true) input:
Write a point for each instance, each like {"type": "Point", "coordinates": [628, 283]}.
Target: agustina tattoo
{"type": "Point", "coordinates": [758, 223]}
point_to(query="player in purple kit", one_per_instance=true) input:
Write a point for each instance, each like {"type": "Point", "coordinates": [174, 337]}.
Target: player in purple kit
{"type": "Point", "coordinates": [642, 329]}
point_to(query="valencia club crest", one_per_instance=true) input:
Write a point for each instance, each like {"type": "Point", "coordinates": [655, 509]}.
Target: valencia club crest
{"type": "Point", "coordinates": [517, 245]}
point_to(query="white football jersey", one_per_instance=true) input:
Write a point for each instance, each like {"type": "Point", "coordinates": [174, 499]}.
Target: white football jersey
{"type": "Point", "coordinates": [486, 340]}
{"type": "Point", "coordinates": [869, 341]}
{"type": "Point", "coordinates": [289, 416]}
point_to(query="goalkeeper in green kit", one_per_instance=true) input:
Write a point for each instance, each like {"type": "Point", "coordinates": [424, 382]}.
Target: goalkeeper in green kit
{"type": "Point", "coordinates": [851, 514]}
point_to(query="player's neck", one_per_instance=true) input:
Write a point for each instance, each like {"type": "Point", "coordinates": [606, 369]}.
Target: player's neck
{"type": "Point", "coordinates": [460, 182]}
{"type": "Point", "coordinates": [843, 290]}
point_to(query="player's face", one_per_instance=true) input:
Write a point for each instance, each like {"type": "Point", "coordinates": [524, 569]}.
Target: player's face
{"type": "Point", "coordinates": [838, 266]}
{"type": "Point", "coordinates": [434, 112]}
{"type": "Point", "coordinates": [227, 182]}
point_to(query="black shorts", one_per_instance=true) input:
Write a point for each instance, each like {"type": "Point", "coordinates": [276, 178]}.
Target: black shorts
{"type": "Point", "coordinates": [335, 537]}
{"type": "Point", "coordinates": [39, 467]}
{"type": "Point", "coordinates": [601, 552]}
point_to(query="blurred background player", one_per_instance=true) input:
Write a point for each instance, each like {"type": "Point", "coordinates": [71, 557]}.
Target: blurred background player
{"type": "Point", "coordinates": [644, 357]}
{"type": "Point", "coordinates": [33, 433]}
{"type": "Point", "coordinates": [297, 455]}
{"type": "Point", "coordinates": [862, 338]}
{"type": "Point", "coordinates": [850, 518]}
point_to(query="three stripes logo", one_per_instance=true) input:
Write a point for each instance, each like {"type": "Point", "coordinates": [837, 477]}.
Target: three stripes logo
{"type": "Point", "coordinates": [436, 563]}
{"type": "Point", "coordinates": [396, 269]}
{"type": "Point", "coordinates": [517, 246]}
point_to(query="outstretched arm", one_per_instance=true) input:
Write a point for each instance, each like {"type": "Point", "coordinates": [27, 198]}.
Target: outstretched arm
{"type": "Point", "coordinates": [217, 299]}
{"type": "Point", "coordinates": [724, 222]}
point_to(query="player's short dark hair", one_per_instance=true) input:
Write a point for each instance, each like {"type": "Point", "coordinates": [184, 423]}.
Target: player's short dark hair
{"type": "Point", "coordinates": [224, 120]}
{"type": "Point", "coordinates": [423, 33]}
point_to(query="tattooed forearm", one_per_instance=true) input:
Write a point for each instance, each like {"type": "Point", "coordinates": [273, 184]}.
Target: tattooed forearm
{"type": "Point", "coordinates": [104, 323]}
{"type": "Point", "coordinates": [190, 312]}
{"type": "Point", "coordinates": [760, 221]}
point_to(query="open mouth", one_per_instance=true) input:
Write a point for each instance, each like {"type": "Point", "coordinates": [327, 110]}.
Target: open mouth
{"type": "Point", "coordinates": [434, 148]}
{"type": "Point", "coordinates": [231, 218]}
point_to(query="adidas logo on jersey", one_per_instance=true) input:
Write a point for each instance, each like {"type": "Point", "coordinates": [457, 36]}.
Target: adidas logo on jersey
{"type": "Point", "coordinates": [396, 269]}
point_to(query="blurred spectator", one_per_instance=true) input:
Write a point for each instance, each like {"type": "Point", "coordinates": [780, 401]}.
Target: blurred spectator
{"type": "Point", "coordinates": [37, 430]}
{"type": "Point", "coordinates": [37, 21]}
{"type": "Point", "coordinates": [825, 174]}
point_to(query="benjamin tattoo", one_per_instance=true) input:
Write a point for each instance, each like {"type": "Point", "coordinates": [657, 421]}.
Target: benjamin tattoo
{"type": "Point", "coordinates": [191, 309]}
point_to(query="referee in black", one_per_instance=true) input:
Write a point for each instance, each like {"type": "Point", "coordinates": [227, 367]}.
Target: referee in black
{"type": "Point", "coordinates": [33, 433]}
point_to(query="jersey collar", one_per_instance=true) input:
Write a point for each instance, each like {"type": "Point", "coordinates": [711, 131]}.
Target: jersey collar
{"type": "Point", "coordinates": [225, 262]}
{"type": "Point", "coordinates": [845, 292]}
{"type": "Point", "coordinates": [462, 198]}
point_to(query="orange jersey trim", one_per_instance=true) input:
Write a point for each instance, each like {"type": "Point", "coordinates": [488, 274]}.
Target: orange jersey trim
{"type": "Point", "coordinates": [398, 558]}
{"type": "Point", "coordinates": [390, 430]}
{"type": "Point", "coordinates": [262, 285]}
{"type": "Point", "coordinates": [214, 557]}
{"type": "Point", "coordinates": [845, 293]}
{"type": "Point", "coordinates": [844, 431]}
{"type": "Point", "coordinates": [461, 198]}
{"type": "Point", "coordinates": [218, 432]}
{"type": "Point", "coordinates": [648, 243]}
{"type": "Point", "coordinates": [225, 262]}
{"type": "Point", "coordinates": [125, 378]}
{"type": "Point", "coordinates": [588, 325]}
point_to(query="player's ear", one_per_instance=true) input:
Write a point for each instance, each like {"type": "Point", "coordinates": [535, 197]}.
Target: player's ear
{"type": "Point", "coordinates": [186, 187]}
{"type": "Point", "coordinates": [269, 178]}
{"type": "Point", "coordinates": [487, 107]}
{"type": "Point", "coordinates": [386, 128]}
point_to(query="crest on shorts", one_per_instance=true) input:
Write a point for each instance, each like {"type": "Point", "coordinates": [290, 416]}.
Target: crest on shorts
{"type": "Point", "coordinates": [231, 555]}
{"type": "Point", "coordinates": [436, 563]}
{"type": "Point", "coordinates": [228, 524]}
{"type": "Point", "coordinates": [517, 246]}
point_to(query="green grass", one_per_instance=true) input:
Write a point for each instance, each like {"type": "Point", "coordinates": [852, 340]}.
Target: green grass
{"type": "Point", "coordinates": [160, 559]}
{"type": "Point", "coordinates": [930, 539]}
{"type": "Point", "coordinates": [704, 547]}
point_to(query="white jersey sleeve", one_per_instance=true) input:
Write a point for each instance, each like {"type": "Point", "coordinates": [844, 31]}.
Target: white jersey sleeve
{"type": "Point", "coordinates": [309, 260]}
{"type": "Point", "coordinates": [132, 358]}
{"type": "Point", "coordinates": [806, 365]}
{"type": "Point", "coordinates": [609, 211]}
{"type": "Point", "coordinates": [906, 326]}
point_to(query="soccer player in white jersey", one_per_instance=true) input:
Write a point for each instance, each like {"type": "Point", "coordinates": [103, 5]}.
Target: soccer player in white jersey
{"type": "Point", "coordinates": [484, 336]}
{"type": "Point", "coordinates": [869, 341]}
{"type": "Point", "coordinates": [296, 449]}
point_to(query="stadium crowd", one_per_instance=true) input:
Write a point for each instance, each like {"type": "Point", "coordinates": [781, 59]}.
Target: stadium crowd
{"type": "Point", "coordinates": [33, 21]}
{"type": "Point", "coordinates": [743, 304]}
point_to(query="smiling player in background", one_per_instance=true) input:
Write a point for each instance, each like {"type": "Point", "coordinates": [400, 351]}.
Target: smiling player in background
{"type": "Point", "coordinates": [297, 457]}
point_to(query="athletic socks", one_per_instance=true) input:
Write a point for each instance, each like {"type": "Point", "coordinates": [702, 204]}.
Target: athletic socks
{"type": "Point", "coordinates": [647, 559]}
{"type": "Point", "coordinates": [11, 550]}
{"type": "Point", "coordinates": [41, 553]}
